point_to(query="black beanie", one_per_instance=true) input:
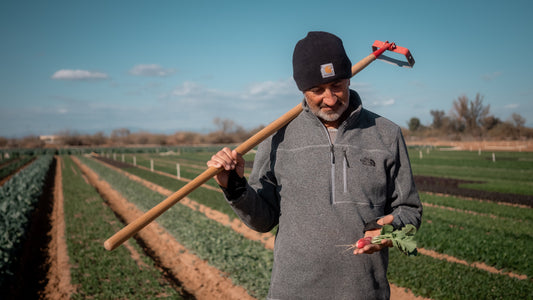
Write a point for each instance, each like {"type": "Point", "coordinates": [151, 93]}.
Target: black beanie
{"type": "Point", "coordinates": [319, 58]}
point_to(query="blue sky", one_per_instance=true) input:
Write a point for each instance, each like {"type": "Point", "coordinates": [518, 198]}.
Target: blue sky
{"type": "Point", "coordinates": [167, 66]}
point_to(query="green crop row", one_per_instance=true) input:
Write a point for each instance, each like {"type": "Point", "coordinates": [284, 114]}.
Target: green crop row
{"type": "Point", "coordinates": [19, 197]}
{"type": "Point", "coordinates": [440, 279]}
{"type": "Point", "coordinates": [502, 243]}
{"type": "Point", "coordinates": [98, 273]}
{"type": "Point", "coordinates": [246, 262]}
{"type": "Point", "coordinates": [522, 215]}
{"type": "Point", "coordinates": [448, 280]}
{"type": "Point", "coordinates": [510, 173]}
{"type": "Point", "coordinates": [14, 165]}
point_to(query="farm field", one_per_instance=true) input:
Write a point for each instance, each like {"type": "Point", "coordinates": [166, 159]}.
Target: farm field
{"type": "Point", "coordinates": [469, 248]}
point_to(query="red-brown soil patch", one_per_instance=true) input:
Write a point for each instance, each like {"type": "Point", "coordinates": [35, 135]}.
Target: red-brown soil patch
{"type": "Point", "coordinates": [59, 285]}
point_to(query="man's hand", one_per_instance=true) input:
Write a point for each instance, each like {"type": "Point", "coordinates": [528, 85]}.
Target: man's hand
{"type": "Point", "coordinates": [229, 160]}
{"type": "Point", "coordinates": [371, 248]}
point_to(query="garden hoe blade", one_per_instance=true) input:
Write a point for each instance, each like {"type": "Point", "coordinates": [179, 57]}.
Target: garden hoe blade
{"type": "Point", "coordinates": [402, 53]}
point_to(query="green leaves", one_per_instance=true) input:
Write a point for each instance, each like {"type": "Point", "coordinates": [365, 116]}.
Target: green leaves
{"type": "Point", "coordinates": [402, 239]}
{"type": "Point", "coordinates": [19, 196]}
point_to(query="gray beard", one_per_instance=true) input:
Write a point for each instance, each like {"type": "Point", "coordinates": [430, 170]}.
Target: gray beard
{"type": "Point", "coordinates": [329, 117]}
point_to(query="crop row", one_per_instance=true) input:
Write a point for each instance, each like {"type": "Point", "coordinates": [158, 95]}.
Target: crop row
{"type": "Point", "coordinates": [19, 197]}
{"type": "Point", "coordinates": [13, 165]}
{"type": "Point", "coordinates": [208, 239]}
{"type": "Point", "coordinates": [510, 173]}
{"type": "Point", "coordinates": [441, 225]}
{"type": "Point", "coordinates": [96, 272]}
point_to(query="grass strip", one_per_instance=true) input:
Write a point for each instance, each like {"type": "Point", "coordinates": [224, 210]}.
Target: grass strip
{"type": "Point", "coordinates": [519, 214]}
{"type": "Point", "coordinates": [246, 262]}
{"type": "Point", "coordinates": [100, 274]}
{"type": "Point", "coordinates": [502, 243]}
{"type": "Point", "coordinates": [439, 279]}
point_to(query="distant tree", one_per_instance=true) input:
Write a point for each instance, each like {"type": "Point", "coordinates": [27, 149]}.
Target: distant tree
{"type": "Point", "coordinates": [71, 138]}
{"type": "Point", "coordinates": [414, 124]}
{"type": "Point", "coordinates": [120, 135]}
{"type": "Point", "coordinates": [224, 125]}
{"type": "Point", "coordinates": [97, 139]}
{"type": "Point", "coordinates": [438, 118]}
{"type": "Point", "coordinates": [470, 113]}
{"type": "Point", "coordinates": [489, 123]}
{"type": "Point", "coordinates": [519, 122]}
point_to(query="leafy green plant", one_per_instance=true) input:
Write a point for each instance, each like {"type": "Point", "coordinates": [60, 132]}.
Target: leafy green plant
{"type": "Point", "coordinates": [19, 197]}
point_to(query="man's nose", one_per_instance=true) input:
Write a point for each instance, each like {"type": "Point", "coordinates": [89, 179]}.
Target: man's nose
{"type": "Point", "coordinates": [329, 97]}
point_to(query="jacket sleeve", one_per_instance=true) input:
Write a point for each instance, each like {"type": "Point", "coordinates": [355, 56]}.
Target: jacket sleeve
{"type": "Point", "coordinates": [258, 205]}
{"type": "Point", "coordinates": [404, 201]}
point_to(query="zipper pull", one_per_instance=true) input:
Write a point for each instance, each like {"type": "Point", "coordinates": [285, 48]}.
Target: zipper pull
{"type": "Point", "coordinates": [332, 154]}
{"type": "Point", "coordinates": [346, 159]}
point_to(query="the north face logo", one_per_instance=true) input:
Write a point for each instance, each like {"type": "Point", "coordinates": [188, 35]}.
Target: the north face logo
{"type": "Point", "coordinates": [327, 70]}
{"type": "Point", "coordinates": [368, 161]}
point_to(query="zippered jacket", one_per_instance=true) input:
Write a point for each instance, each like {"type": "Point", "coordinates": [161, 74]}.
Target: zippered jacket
{"type": "Point", "coordinates": [321, 194]}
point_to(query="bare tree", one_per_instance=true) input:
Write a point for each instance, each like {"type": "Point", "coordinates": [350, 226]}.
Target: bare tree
{"type": "Point", "coordinates": [224, 125]}
{"type": "Point", "coordinates": [438, 118]}
{"type": "Point", "coordinates": [470, 113]}
{"type": "Point", "coordinates": [519, 122]}
{"type": "Point", "coordinates": [120, 135]}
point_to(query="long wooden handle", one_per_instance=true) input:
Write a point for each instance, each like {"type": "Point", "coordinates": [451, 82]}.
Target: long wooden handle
{"type": "Point", "coordinates": [132, 228]}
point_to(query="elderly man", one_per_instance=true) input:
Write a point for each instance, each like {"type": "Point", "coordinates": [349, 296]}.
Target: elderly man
{"type": "Point", "coordinates": [334, 174]}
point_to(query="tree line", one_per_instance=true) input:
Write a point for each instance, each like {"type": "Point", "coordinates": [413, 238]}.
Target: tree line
{"type": "Point", "coordinates": [470, 119]}
{"type": "Point", "coordinates": [226, 132]}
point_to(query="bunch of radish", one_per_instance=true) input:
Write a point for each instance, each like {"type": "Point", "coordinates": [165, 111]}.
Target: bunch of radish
{"type": "Point", "coordinates": [402, 239]}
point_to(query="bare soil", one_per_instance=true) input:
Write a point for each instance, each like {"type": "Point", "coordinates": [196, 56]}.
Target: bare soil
{"type": "Point", "coordinates": [59, 285]}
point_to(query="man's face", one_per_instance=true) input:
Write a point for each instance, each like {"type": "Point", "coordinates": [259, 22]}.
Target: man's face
{"type": "Point", "coordinates": [330, 100]}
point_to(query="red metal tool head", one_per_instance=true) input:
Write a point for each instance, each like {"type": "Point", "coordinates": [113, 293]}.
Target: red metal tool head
{"type": "Point", "coordinates": [408, 63]}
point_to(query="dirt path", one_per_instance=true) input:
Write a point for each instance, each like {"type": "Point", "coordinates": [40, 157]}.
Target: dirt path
{"type": "Point", "coordinates": [397, 293]}
{"type": "Point", "coordinates": [59, 285]}
{"type": "Point", "coordinates": [198, 278]}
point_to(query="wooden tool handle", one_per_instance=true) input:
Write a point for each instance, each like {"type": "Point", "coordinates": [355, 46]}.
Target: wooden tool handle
{"type": "Point", "coordinates": [128, 231]}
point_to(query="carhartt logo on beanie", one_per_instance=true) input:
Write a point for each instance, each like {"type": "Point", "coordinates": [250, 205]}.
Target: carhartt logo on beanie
{"type": "Point", "coordinates": [319, 58]}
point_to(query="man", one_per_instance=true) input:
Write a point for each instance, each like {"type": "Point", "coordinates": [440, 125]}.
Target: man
{"type": "Point", "coordinates": [331, 176]}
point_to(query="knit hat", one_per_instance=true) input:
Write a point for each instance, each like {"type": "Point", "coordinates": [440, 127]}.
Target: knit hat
{"type": "Point", "coordinates": [319, 58]}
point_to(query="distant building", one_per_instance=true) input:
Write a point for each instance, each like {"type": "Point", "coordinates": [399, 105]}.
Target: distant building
{"type": "Point", "coordinates": [49, 139]}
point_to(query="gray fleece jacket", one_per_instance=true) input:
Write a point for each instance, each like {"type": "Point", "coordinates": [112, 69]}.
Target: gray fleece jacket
{"type": "Point", "coordinates": [321, 195]}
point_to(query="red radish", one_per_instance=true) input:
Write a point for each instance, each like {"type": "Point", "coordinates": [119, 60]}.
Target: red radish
{"type": "Point", "coordinates": [363, 242]}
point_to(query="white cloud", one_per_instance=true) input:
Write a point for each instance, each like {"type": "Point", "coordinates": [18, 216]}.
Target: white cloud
{"type": "Point", "coordinates": [66, 74]}
{"type": "Point", "coordinates": [511, 106]}
{"type": "Point", "coordinates": [271, 88]}
{"type": "Point", "coordinates": [188, 88]}
{"type": "Point", "coordinates": [383, 103]}
{"type": "Point", "coordinates": [151, 70]}
{"type": "Point", "coordinates": [491, 76]}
